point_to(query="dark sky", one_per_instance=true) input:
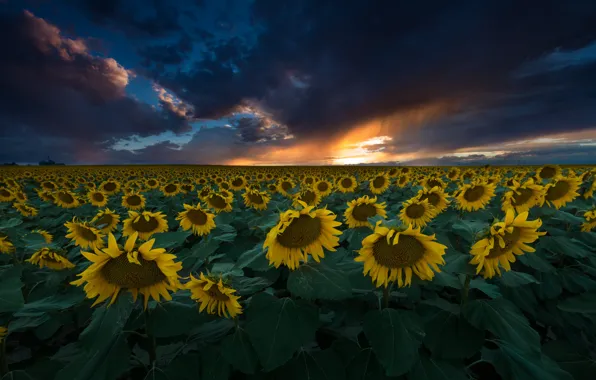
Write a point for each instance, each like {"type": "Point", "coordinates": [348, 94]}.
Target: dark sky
{"type": "Point", "coordinates": [298, 82]}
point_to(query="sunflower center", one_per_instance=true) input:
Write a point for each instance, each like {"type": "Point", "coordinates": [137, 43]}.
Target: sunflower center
{"type": "Point", "coordinates": [5, 193]}
{"type": "Point", "coordinates": [393, 171]}
{"type": "Point", "coordinates": [511, 238]}
{"type": "Point", "coordinates": [415, 211]}
{"type": "Point", "coordinates": [322, 186]}
{"type": "Point", "coordinates": [548, 172]}
{"type": "Point", "coordinates": [308, 181]}
{"type": "Point", "coordinates": [170, 188]}
{"type": "Point", "coordinates": [364, 211]}
{"type": "Point", "coordinates": [522, 196]}
{"type": "Point", "coordinates": [379, 182]}
{"type": "Point", "coordinates": [286, 185]}
{"type": "Point", "coordinates": [214, 293]}
{"type": "Point", "coordinates": [346, 183]}
{"type": "Point", "coordinates": [308, 197]}
{"type": "Point", "coordinates": [151, 182]}
{"type": "Point", "coordinates": [143, 225]}
{"type": "Point", "coordinates": [407, 252]}
{"type": "Point", "coordinates": [196, 217]}
{"type": "Point", "coordinates": [558, 191]}
{"type": "Point", "coordinates": [218, 201]}
{"type": "Point", "coordinates": [187, 188]}
{"type": "Point", "coordinates": [133, 200]}
{"type": "Point", "coordinates": [65, 197]}
{"type": "Point", "coordinates": [301, 232]}
{"type": "Point", "coordinates": [255, 198]}
{"type": "Point", "coordinates": [432, 198]}
{"type": "Point", "coordinates": [110, 186]}
{"type": "Point", "coordinates": [474, 193]}
{"type": "Point", "coordinates": [433, 182]}
{"type": "Point", "coordinates": [205, 192]}
{"type": "Point", "coordinates": [87, 234]}
{"type": "Point", "coordinates": [121, 272]}
{"type": "Point", "coordinates": [402, 180]}
{"type": "Point", "coordinates": [104, 220]}
{"type": "Point", "coordinates": [49, 185]}
{"type": "Point", "coordinates": [452, 174]}
{"type": "Point", "coordinates": [237, 182]}
{"type": "Point", "coordinates": [98, 197]}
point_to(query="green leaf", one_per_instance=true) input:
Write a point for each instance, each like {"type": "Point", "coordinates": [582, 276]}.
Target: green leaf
{"type": "Point", "coordinates": [56, 302]}
{"type": "Point", "coordinates": [9, 223]}
{"type": "Point", "coordinates": [563, 245]}
{"type": "Point", "coordinates": [468, 229]}
{"type": "Point", "coordinates": [549, 286]}
{"type": "Point", "coordinates": [317, 365]}
{"type": "Point", "coordinates": [225, 233]}
{"type": "Point", "coordinates": [514, 279]}
{"type": "Point", "coordinates": [174, 318]}
{"type": "Point", "coordinates": [238, 351]}
{"type": "Point", "coordinates": [184, 367]}
{"type": "Point", "coordinates": [254, 259]}
{"type": "Point", "coordinates": [365, 366]}
{"type": "Point", "coordinates": [11, 296]}
{"type": "Point", "coordinates": [169, 240]}
{"type": "Point", "coordinates": [427, 368]}
{"type": "Point", "coordinates": [251, 285]}
{"type": "Point", "coordinates": [213, 365]}
{"type": "Point", "coordinates": [583, 303]}
{"type": "Point", "coordinates": [504, 320]}
{"type": "Point", "coordinates": [278, 327]}
{"type": "Point", "coordinates": [25, 323]}
{"type": "Point", "coordinates": [395, 336]}
{"type": "Point", "coordinates": [489, 289]}
{"type": "Point", "coordinates": [511, 362]}
{"type": "Point", "coordinates": [107, 323]}
{"type": "Point", "coordinates": [319, 281]}
{"type": "Point", "coordinates": [449, 336]}
{"type": "Point", "coordinates": [580, 365]}
{"type": "Point", "coordinates": [459, 263]}
{"type": "Point", "coordinates": [210, 332]}
{"type": "Point", "coordinates": [534, 261]}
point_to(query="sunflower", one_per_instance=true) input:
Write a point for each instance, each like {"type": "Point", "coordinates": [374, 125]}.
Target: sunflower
{"type": "Point", "coordinates": [20, 196]}
{"type": "Point", "coordinates": [5, 245]}
{"type": "Point", "coordinates": [152, 183]}
{"type": "Point", "coordinates": [238, 183]}
{"type": "Point", "coordinates": [106, 220]}
{"type": "Point", "coordinates": [300, 233]}
{"type": "Point", "coordinates": [506, 239]}
{"type": "Point", "coordinates": [196, 219]}
{"type": "Point", "coordinates": [45, 257]}
{"type": "Point", "coordinates": [25, 209]}
{"type": "Point", "coordinates": [435, 196]}
{"type": "Point", "coordinates": [402, 180]}
{"type": "Point", "coordinates": [84, 235]}
{"type": "Point", "coordinates": [359, 210]}
{"type": "Point", "coordinates": [214, 296]}
{"type": "Point", "coordinates": [256, 199]}
{"type": "Point", "coordinates": [590, 222]}
{"type": "Point", "coordinates": [433, 181]}
{"type": "Point", "coordinates": [548, 172]}
{"type": "Point", "coordinates": [110, 187]}
{"type": "Point", "coordinates": [308, 196]}
{"type": "Point", "coordinates": [219, 202]}
{"type": "Point", "coordinates": [6, 195]}
{"type": "Point", "coordinates": [523, 197]}
{"type": "Point", "coordinates": [133, 201]}
{"type": "Point", "coordinates": [97, 198]}
{"type": "Point", "coordinates": [187, 188]}
{"type": "Point", "coordinates": [46, 195]}
{"type": "Point", "coordinates": [453, 174]}
{"type": "Point", "coordinates": [560, 191]}
{"type": "Point", "coordinates": [66, 199]}
{"type": "Point", "coordinates": [417, 213]}
{"type": "Point", "coordinates": [475, 195]}
{"type": "Point", "coordinates": [204, 193]}
{"type": "Point", "coordinates": [391, 254]}
{"type": "Point", "coordinates": [47, 237]}
{"type": "Point", "coordinates": [379, 183]}
{"type": "Point", "coordinates": [323, 187]}
{"type": "Point", "coordinates": [171, 189]}
{"type": "Point", "coordinates": [49, 185]}
{"type": "Point", "coordinates": [346, 184]}
{"type": "Point", "coordinates": [589, 189]}
{"type": "Point", "coordinates": [285, 186]}
{"type": "Point", "coordinates": [145, 224]}
{"type": "Point", "coordinates": [146, 270]}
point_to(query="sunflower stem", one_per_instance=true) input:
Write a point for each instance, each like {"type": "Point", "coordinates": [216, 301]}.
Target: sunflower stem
{"type": "Point", "coordinates": [386, 297]}
{"type": "Point", "coordinates": [465, 291]}
{"type": "Point", "coordinates": [151, 338]}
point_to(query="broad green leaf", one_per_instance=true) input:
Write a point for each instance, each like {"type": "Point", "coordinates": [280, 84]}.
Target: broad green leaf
{"type": "Point", "coordinates": [175, 318]}
{"type": "Point", "coordinates": [580, 365]}
{"type": "Point", "coordinates": [533, 260]}
{"type": "Point", "coordinates": [395, 336]}
{"type": "Point", "coordinates": [449, 336]}
{"type": "Point", "coordinates": [9, 223]}
{"type": "Point", "coordinates": [213, 365]}
{"type": "Point", "coordinates": [549, 286]}
{"type": "Point", "coordinates": [11, 296]}
{"type": "Point", "coordinates": [365, 366]}
{"type": "Point", "coordinates": [250, 285]}
{"type": "Point", "coordinates": [514, 279]}
{"type": "Point", "coordinates": [254, 259]}
{"type": "Point", "coordinates": [238, 351]}
{"type": "Point", "coordinates": [278, 327]}
{"type": "Point", "coordinates": [56, 302]}
{"type": "Point", "coordinates": [564, 245]}
{"type": "Point", "coordinates": [504, 320]}
{"type": "Point", "coordinates": [583, 303]}
{"type": "Point", "coordinates": [106, 324]}
{"type": "Point", "coordinates": [170, 240]}
{"type": "Point", "coordinates": [459, 263]}
{"type": "Point", "coordinates": [319, 281]}
{"type": "Point", "coordinates": [225, 233]}
{"type": "Point", "coordinates": [468, 229]}
{"type": "Point", "coordinates": [513, 363]}
{"type": "Point", "coordinates": [184, 367]}
{"type": "Point", "coordinates": [427, 368]}
{"type": "Point", "coordinates": [24, 323]}
{"type": "Point", "coordinates": [489, 289]}
{"type": "Point", "coordinates": [316, 365]}
{"type": "Point", "coordinates": [210, 332]}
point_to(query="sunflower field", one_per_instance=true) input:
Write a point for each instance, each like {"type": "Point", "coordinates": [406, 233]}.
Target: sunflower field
{"type": "Point", "coordinates": [214, 273]}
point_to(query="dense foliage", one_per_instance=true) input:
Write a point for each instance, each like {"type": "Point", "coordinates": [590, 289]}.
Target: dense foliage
{"type": "Point", "coordinates": [247, 273]}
